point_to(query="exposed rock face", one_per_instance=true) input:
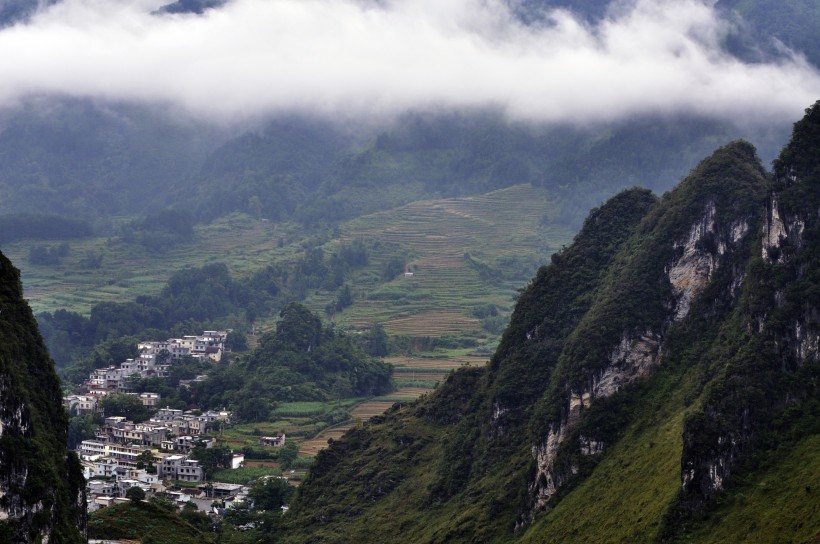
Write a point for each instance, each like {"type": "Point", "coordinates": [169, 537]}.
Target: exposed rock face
{"type": "Point", "coordinates": [630, 360]}
{"type": "Point", "coordinates": [691, 272]}
{"type": "Point", "coordinates": [42, 497]}
{"type": "Point", "coordinates": [701, 252]}
{"type": "Point", "coordinates": [782, 238]}
{"type": "Point", "coordinates": [783, 322]}
{"type": "Point", "coordinates": [547, 479]}
{"type": "Point", "coordinates": [698, 255]}
{"type": "Point", "coordinates": [806, 345]}
{"type": "Point", "coordinates": [777, 230]}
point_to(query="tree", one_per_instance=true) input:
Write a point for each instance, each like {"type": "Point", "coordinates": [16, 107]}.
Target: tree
{"type": "Point", "coordinates": [236, 341]}
{"type": "Point", "coordinates": [270, 493]}
{"type": "Point", "coordinates": [299, 329]}
{"type": "Point", "coordinates": [80, 428]}
{"type": "Point", "coordinates": [145, 460]}
{"type": "Point", "coordinates": [128, 406]}
{"type": "Point", "coordinates": [135, 494]}
{"type": "Point", "coordinates": [345, 298]}
{"type": "Point", "coordinates": [255, 206]}
{"type": "Point", "coordinates": [192, 515]}
{"type": "Point", "coordinates": [163, 503]}
{"type": "Point", "coordinates": [377, 341]}
{"type": "Point", "coordinates": [213, 458]}
{"type": "Point", "coordinates": [163, 357]}
{"type": "Point", "coordinates": [288, 454]}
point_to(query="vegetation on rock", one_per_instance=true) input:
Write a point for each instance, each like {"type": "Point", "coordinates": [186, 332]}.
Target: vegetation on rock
{"type": "Point", "coordinates": [651, 377]}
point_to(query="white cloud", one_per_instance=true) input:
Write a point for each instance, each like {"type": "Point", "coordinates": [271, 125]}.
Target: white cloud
{"type": "Point", "coordinates": [365, 58]}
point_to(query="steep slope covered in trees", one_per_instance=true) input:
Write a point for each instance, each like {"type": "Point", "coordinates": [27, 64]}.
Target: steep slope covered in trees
{"type": "Point", "coordinates": [302, 360]}
{"type": "Point", "coordinates": [653, 380]}
{"type": "Point", "coordinates": [42, 491]}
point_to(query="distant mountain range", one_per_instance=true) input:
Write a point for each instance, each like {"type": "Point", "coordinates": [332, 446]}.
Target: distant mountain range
{"type": "Point", "coordinates": [100, 161]}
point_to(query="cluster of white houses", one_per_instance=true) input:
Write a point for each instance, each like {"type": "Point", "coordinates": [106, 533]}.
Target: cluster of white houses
{"type": "Point", "coordinates": [208, 345]}
{"type": "Point", "coordinates": [115, 460]}
{"type": "Point", "coordinates": [155, 360]}
{"type": "Point", "coordinates": [170, 431]}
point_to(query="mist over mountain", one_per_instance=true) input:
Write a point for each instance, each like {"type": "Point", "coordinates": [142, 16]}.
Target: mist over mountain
{"type": "Point", "coordinates": [348, 59]}
{"type": "Point", "coordinates": [112, 110]}
{"type": "Point", "coordinates": [658, 378]}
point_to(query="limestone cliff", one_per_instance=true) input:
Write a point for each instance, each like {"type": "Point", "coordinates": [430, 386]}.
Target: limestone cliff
{"type": "Point", "coordinates": [650, 374]}
{"type": "Point", "coordinates": [42, 491]}
{"type": "Point", "coordinates": [674, 255]}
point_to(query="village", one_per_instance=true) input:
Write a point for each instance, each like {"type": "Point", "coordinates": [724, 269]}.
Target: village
{"type": "Point", "coordinates": [157, 457]}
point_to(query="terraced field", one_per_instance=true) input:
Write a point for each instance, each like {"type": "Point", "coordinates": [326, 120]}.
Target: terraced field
{"type": "Point", "coordinates": [130, 270]}
{"type": "Point", "coordinates": [465, 254]}
{"type": "Point", "coordinates": [362, 412]}
{"type": "Point", "coordinates": [407, 370]}
{"type": "Point", "coordinates": [429, 371]}
{"type": "Point", "coordinates": [501, 231]}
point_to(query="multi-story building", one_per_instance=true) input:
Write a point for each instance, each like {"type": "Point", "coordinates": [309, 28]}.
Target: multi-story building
{"type": "Point", "coordinates": [179, 467]}
{"type": "Point", "coordinates": [90, 448]}
{"type": "Point", "coordinates": [149, 400]}
{"type": "Point", "coordinates": [80, 404]}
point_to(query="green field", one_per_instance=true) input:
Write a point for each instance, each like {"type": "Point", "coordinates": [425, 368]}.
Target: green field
{"type": "Point", "coordinates": [466, 254]}
{"type": "Point", "coordinates": [298, 420]}
{"type": "Point", "coordinates": [130, 270]}
{"type": "Point", "coordinates": [502, 231]}
{"type": "Point", "coordinates": [504, 235]}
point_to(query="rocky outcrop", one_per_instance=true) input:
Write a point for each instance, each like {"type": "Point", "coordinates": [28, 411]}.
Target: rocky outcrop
{"type": "Point", "coordinates": [698, 255]}
{"type": "Point", "coordinates": [547, 478]}
{"type": "Point", "coordinates": [631, 359]}
{"type": "Point", "coordinates": [778, 230]}
{"type": "Point", "coordinates": [42, 496]}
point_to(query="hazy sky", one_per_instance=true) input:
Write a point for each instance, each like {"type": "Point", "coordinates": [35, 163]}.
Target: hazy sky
{"type": "Point", "coordinates": [365, 58]}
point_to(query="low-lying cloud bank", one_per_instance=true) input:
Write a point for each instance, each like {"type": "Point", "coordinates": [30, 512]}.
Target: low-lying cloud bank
{"type": "Point", "coordinates": [368, 58]}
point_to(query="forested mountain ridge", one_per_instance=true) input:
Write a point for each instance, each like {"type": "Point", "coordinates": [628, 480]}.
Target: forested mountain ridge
{"type": "Point", "coordinates": [655, 379]}
{"type": "Point", "coordinates": [42, 491]}
{"type": "Point", "coordinates": [101, 160]}
{"type": "Point", "coordinates": [107, 163]}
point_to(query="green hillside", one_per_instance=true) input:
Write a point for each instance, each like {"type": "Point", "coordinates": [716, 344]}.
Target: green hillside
{"type": "Point", "coordinates": [41, 484]}
{"type": "Point", "coordinates": [656, 383]}
{"type": "Point", "coordinates": [469, 256]}
{"type": "Point", "coordinates": [145, 522]}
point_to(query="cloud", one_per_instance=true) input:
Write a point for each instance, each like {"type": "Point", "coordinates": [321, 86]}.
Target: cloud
{"type": "Point", "coordinates": [366, 58]}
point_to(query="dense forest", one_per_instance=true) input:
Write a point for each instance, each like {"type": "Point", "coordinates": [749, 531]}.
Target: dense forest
{"type": "Point", "coordinates": [302, 360]}
{"type": "Point", "coordinates": [93, 166]}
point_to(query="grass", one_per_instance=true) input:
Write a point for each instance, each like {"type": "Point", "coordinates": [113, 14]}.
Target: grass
{"type": "Point", "coordinates": [312, 409]}
{"type": "Point", "coordinates": [301, 422]}
{"type": "Point", "coordinates": [627, 494]}
{"type": "Point", "coordinates": [244, 475]}
{"type": "Point", "coordinates": [143, 522]}
{"type": "Point", "coordinates": [130, 270]}
{"type": "Point", "coordinates": [777, 503]}
{"type": "Point", "coordinates": [502, 231]}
